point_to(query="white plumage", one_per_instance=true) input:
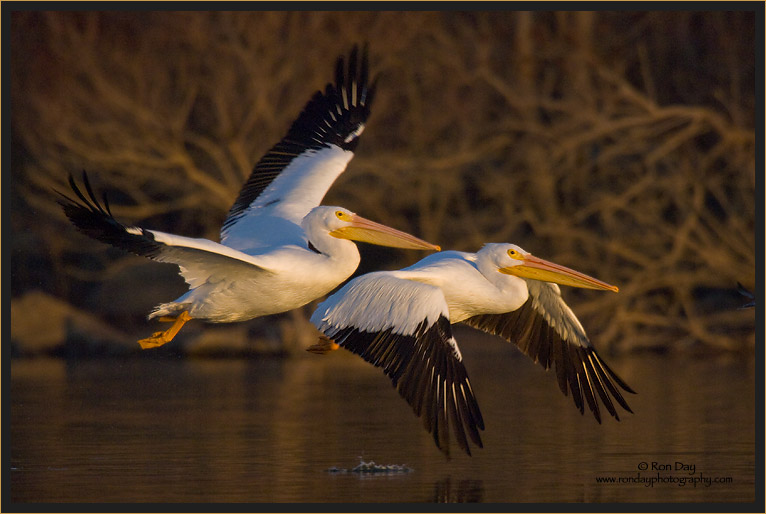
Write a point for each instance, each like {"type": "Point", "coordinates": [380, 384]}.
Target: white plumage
{"type": "Point", "coordinates": [279, 249]}
{"type": "Point", "coordinates": [386, 301]}
{"type": "Point", "coordinates": [400, 321]}
{"type": "Point", "coordinates": [274, 217]}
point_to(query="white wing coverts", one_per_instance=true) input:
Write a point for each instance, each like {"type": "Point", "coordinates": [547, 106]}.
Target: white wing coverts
{"type": "Point", "coordinates": [293, 177]}
{"type": "Point", "coordinates": [200, 260]}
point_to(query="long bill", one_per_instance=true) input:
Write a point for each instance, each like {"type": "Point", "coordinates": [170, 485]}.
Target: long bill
{"type": "Point", "coordinates": [546, 271]}
{"type": "Point", "coordinates": [367, 231]}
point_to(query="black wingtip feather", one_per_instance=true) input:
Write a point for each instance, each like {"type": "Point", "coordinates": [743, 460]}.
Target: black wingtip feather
{"type": "Point", "coordinates": [596, 379]}
{"type": "Point", "coordinates": [423, 369]}
{"type": "Point", "coordinates": [89, 189]}
{"type": "Point", "coordinates": [329, 118]}
{"type": "Point", "coordinates": [95, 220]}
{"type": "Point", "coordinates": [615, 377]}
{"type": "Point", "coordinates": [339, 74]}
{"type": "Point", "coordinates": [578, 369]}
{"type": "Point", "coordinates": [584, 386]}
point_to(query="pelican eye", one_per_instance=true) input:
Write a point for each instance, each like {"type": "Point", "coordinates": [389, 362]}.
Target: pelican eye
{"type": "Point", "coordinates": [342, 216]}
{"type": "Point", "coordinates": [513, 254]}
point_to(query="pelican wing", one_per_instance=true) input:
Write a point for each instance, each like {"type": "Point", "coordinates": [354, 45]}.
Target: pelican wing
{"type": "Point", "coordinates": [546, 330]}
{"type": "Point", "coordinates": [199, 260]}
{"type": "Point", "coordinates": [403, 327]}
{"type": "Point", "coordinates": [293, 177]}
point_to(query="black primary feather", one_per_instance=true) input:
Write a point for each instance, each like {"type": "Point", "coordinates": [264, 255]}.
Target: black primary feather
{"type": "Point", "coordinates": [329, 118]}
{"type": "Point", "coordinates": [579, 369]}
{"type": "Point", "coordinates": [427, 373]}
{"type": "Point", "coordinates": [95, 219]}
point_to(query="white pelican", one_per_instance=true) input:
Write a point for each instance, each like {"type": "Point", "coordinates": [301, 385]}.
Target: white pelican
{"type": "Point", "coordinates": [400, 321]}
{"type": "Point", "coordinates": [279, 250]}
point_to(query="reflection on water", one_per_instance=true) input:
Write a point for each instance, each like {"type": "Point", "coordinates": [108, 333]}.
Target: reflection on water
{"type": "Point", "coordinates": [464, 491]}
{"type": "Point", "coordinates": [167, 430]}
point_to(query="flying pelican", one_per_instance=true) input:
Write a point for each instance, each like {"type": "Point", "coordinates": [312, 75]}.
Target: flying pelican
{"type": "Point", "coordinates": [400, 321]}
{"type": "Point", "coordinates": [279, 249]}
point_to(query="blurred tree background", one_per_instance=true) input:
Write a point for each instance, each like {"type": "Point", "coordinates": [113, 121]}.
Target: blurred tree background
{"type": "Point", "coordinates": [621, 144]}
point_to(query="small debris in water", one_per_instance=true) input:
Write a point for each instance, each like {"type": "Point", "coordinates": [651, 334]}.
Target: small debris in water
{"type": "Point", "coordinates": [370, 467]}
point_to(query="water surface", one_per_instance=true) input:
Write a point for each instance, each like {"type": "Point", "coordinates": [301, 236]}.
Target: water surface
{"type": "Point", "coordinates": [267, 430]}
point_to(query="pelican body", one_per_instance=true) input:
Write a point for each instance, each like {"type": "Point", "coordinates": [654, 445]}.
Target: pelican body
{"type": "Point", "coordinates": [279, 248]}
{"type": "Point", "coordinates": [401, 321]}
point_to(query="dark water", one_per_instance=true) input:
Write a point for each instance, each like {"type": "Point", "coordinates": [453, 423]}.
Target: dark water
{"type": "Point", "coordinates": [164, 430]}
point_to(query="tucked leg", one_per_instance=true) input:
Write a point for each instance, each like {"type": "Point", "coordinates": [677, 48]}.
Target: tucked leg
{"type": "Point", "coordinates": [323, 346]}
{"type": "Point", "coordinates": [160, 338]}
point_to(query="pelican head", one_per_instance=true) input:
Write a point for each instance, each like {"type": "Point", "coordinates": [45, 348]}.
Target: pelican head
{"type": "Point", "coordinates": [513, 260]}
{"type": "Point", "coordinates": [344, 224]}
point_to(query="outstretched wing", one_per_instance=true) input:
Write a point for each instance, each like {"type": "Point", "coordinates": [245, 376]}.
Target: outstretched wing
{"type": "Point", "coordinates": [199, 260]}
{"type": "Point", "coordinates": [293, 177]}
{"type": "Point", "coordinates": [403, 327]}
{"type": "Point", "coordinates": [546, 329]}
